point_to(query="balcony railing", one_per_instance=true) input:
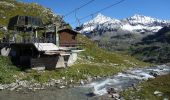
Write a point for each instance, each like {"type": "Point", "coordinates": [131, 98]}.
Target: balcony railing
{"type": "Point", "coordinates": [43, 40]}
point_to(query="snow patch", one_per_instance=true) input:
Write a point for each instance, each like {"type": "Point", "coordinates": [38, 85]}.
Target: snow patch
{"type": "Point", "coordinates": [136, 23]}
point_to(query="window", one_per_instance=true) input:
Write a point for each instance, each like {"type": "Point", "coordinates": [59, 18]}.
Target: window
{"type": "Point", "coordinates": [73, 37]}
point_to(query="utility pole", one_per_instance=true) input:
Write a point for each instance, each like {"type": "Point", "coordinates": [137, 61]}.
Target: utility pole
{"type": "Point", "coordinates": [57, 26]}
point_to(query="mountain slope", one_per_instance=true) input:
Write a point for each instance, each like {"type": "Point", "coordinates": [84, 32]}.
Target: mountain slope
{"type": "Point", "coordinates": [115, 34]}
{"type": "Point", "coordinates": [154, 48]}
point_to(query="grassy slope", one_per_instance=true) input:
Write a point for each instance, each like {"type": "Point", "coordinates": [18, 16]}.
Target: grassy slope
{"type": "Point", "coordinates": [101, 55]}
{"type": "Point", "coordinates": [7, 70]}
{"type": "Point", "coordinates": [10, 8]}
{"type": "Point", "coordinates": [146, 90]}
{"type": "Point", "coordinates": [92, 62]}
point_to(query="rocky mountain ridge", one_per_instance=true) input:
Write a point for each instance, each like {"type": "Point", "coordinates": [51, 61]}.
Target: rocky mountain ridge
{"type": "Point", "coordinates": [136, 23]}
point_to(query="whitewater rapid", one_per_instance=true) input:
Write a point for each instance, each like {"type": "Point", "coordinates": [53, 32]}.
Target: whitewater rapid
{"type": "Point", "coordinates": [127, 79]}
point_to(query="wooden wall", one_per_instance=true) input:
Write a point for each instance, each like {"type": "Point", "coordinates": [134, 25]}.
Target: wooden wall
{"type": "Point", "coordinates": [67, 39]}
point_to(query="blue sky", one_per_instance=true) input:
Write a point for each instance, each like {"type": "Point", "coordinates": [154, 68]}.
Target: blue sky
{"type": "Point", "coordinates": [154, 8]}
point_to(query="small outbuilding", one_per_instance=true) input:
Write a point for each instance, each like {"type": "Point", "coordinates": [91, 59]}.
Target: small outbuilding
{"type": "Point", "coordinates": [67, 38]}
{"type": "Point", "coordinates": [38, 46]}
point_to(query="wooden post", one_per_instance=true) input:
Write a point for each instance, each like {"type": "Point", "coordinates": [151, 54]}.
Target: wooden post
{"type": "Point", "coordinates": [36, 35]}
{"type": "Point", "coordinates": [31, 35]}
{"type": "Point", "coordinates": [56, 35]}
{"type": "Point", "coordinates": [14, 36]}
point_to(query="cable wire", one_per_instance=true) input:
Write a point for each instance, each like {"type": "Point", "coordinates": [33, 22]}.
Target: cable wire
{"type": "Point", "coordinates": [78, 8]}
{"type": "Point", "coordinates": [101, 10]}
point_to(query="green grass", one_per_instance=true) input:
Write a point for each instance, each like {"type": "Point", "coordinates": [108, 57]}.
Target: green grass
{"type": "Point", "coordinates": [76, 73]}
{"type": "Point", "coordinates": [99, 64]}
{"type": "Point", "coordinates": [7, 70]}
{"type": "Point", "coordinates": [146, 90]}
{"type": "Point", "coordinates": [101, 55]}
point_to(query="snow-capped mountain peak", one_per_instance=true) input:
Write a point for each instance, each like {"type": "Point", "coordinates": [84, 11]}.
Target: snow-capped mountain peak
{"type": "Point", "coordinates": [141, 19]}
{"type": "Point", "coordinates": [101, 19]}
{"type": "Point", "coordinates": [137, 23]}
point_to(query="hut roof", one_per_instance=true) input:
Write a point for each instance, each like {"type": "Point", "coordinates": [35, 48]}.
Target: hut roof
{"type": "Point", "coordinates": [25, 21]}
{"type": "Point", "coordinates": [68, 30]}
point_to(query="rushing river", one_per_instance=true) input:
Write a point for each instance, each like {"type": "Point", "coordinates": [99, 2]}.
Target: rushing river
{"type": "Point", "coordinates": [120, 82]}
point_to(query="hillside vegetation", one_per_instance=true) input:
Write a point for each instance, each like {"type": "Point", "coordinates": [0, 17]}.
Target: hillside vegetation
{"type": "Point", "coordinates": [147, 90]}
{"type": "Point", "coordinates": [93, 62]}
{"type": "Point", "coordinates": [11, 8]}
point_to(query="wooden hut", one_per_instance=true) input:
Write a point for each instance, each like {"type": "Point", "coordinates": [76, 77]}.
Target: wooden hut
{"type": "Point", "coordinates": [54, 49]}
{"type": "Point", "coordinates": [67, 38]}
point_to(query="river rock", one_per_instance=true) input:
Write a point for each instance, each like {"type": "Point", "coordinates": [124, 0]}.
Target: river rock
{"type": "Point", "coordinates": [5, 86]}
{"type": "Point", "coordinates": [63, 78]}
{"type": "Point", "coordinates": [13, 84]}
{"type": "Point", "coordinates": [61, 87]}
{"type": "Point", "coordinates": [166, 99]}
{"type": "Point", "coordinates": [111, 90]}
{"type": "Point", "coordinates": [81, 82]}
{"type": "Point", "coordinates": [23, 83]}
{"type": "Point", "coordinates": [58, 81]}
{"type": "Point", "coordinates": [89, 79]}
{"type": "Point", "coordinates": [14, 87]}
{"type": "Point", "coordinates": [155, 74]}
{"type": "Point", "coordinates": [116, 96]}
{"type": "Point", "coordinates": [39, 69]}
{"type": "Point", "coordinates": [18, 89]}
{"type": "Point", "coordinates": [52, 83]}
{"type": "Point", "coordinates": [158, 93]}
{"type": "Point", "coordinates": [71, 81]}
{"type": "Point", "coordinates": [110, 96]}
{"type": "Point", "coordinates": [1, 87]}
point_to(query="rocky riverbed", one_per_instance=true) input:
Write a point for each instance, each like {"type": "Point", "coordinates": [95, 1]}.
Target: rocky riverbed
{"type": "Point", "coordinates": [109, 87]}
{"type": "Point", "coordinates": [33, 86]}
